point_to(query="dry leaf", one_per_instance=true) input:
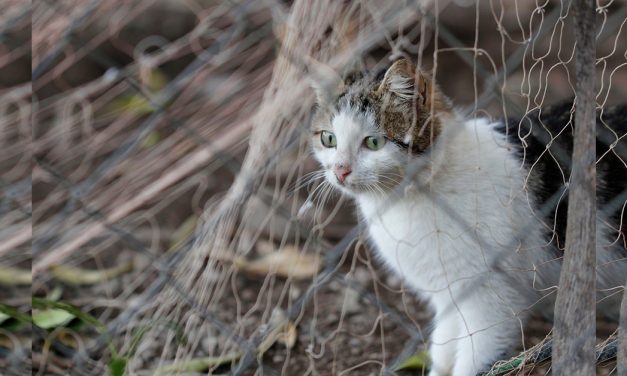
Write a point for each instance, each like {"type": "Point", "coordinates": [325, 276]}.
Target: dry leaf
{"type": "Point", "coordinates": [420, 360]}
{"type": "Point", "coordinates": [14, 276]}
{"type": "Point", "coordinates": [288, 262]}
{"type": "Point", "coordinates": [265, 247]}
{"type": "Point", "coordinates": [78, 276]}
{"type": "Point", "coordinates": [289, 335]}
{"type": "Point", "coordinates": [199, 364]}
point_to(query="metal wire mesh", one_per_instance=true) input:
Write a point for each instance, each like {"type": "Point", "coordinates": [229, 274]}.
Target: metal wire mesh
{"type": "Point", "coordinates": [143, 112]}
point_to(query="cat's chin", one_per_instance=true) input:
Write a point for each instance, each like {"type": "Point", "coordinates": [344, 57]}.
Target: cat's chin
{"type": "Point", "coordinates": [346, 188]}
{"type": "Point", "coordinates": [354, 190]}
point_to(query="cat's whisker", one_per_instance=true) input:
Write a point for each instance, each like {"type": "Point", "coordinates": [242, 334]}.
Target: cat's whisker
{"type": "Point", "coordinates": [314, 197]}
{"type": "Point", "coordinates": [307, 179]}
{"type": "Point", "coordinates": [317, 191]}
{"type": "Point", "coordinates": [326, 193]}
{"type": "Point", "coordinates": [389, 179]}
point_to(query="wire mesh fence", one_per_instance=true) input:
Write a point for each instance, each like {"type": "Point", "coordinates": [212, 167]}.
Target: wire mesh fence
{"type": "Point", "coordinates": [176, 206]}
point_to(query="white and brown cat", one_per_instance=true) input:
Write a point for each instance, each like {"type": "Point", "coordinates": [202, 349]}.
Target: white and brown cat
{"type": "Point", "coordinates": [469, 212]}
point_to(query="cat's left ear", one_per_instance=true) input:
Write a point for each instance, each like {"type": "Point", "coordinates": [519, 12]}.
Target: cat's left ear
{"type": "Point", "coordinates": [402, 79]}
{"type": "Point", "coordinates": [325, 81]}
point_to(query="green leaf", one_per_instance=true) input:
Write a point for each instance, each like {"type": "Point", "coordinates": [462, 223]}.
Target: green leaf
{"type": "Point", "coordinates": [117, 366]}
{"type": "Point", "coordinates": [131, 104]}
{"type": "Point", "coordinates": [420, 360]}
{"type": "Point", "coordinates": [154, 79]}
{"type": "Point", "coordinates": [15, 314]}
{"type": "Point", "coordinates": [86, 317]}
{"type": "Point", "coordinates": [506, 367]}
{"type": "Point", "coordinates": [3, 317]}
{"type": "Point", "coordinates": [52, 318]}
{"type": "Point", "coordinates": [8, 322]}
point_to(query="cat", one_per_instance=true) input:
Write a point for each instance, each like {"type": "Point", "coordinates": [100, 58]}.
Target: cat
{"type": "Point", "coordinates": [469, 212]}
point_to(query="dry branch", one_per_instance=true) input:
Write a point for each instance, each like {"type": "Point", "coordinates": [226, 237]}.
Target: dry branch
{"type": "Point", "coordinates": [575, 327]}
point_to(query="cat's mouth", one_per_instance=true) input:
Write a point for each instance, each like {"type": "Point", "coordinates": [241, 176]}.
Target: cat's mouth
{"type": "Point", "coordinates": [350, 186]}
{"type": "Point", "coordinates": [340, 182]}
{"type": "Point", "coordinates": [355, 185]}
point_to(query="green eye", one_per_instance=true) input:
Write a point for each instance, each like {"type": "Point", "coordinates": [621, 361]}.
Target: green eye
{"type": "Point", "coordinates": [374, 142]}
{"type": "Point", "coordinates": [328, 139]}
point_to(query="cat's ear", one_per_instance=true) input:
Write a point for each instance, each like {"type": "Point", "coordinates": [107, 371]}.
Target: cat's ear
{"type": "Point", "coordinates": [402, 79]}
{"type": "Point", "coordinates": [325, 81]}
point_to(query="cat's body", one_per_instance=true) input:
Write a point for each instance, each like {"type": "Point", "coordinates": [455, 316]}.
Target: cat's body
{"type": "Point", "coordinates": [463, 252]}
{"type": "Point", "coordinates": [452, 207]}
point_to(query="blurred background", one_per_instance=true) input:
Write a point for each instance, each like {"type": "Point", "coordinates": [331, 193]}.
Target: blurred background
{"type": "Point", "coordinates": [147, 258]}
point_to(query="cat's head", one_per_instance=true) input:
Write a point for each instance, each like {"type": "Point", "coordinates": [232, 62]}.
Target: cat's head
{"type": "Point", "coordinates": [365, 130]}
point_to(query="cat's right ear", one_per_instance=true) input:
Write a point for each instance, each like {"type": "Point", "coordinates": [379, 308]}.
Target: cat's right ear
{"type": "Point", "coordinates": [401, 80]}
{"type": "Point", "coordinates": [325, 81]}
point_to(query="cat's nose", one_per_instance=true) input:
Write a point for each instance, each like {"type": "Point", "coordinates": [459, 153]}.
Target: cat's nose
{"type": "Point", "coordinates": [341, 172]}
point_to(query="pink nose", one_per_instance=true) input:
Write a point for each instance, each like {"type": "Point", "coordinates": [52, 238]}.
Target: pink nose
{"type": "Point", "coordinates": [341, 172]}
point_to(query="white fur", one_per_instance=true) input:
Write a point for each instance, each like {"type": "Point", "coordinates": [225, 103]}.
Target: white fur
{"type": "Point", "coordinates": [459, 230]}
{"type": "Point", "coordinates": [402, 86]}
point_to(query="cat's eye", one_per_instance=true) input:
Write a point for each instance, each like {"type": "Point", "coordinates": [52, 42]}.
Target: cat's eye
{"type": "Point", "coordinates": [328, 139]}
{"type": "Point", "coordinates": [374, 142]}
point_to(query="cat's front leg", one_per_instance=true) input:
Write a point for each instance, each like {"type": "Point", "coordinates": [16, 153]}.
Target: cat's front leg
{"type": "Point", "coordinates": [443, 345]}
{"type": "Point", "coordinates": [486, 335]}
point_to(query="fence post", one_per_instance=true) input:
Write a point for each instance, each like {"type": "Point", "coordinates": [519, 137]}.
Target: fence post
{"type": "Point", "coordinates": [575, 327]}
